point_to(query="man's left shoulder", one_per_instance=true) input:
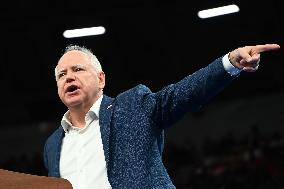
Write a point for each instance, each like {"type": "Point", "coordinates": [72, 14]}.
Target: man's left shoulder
{"type": "Point", "coordinates": [137, 90]}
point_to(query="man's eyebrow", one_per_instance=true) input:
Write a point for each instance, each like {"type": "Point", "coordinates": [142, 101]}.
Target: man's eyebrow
{"type": "Point", "coordinates": [61, 70]}
{"type": "Point", "coordinates": [78, 66]}
{"type": "Point", "coordinates": [72, 67]}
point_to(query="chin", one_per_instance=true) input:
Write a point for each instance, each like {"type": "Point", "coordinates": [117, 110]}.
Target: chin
{"type": "Point", "coordinates": [73, 102]}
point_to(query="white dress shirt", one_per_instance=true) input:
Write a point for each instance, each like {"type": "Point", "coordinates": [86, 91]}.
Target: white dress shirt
{"type": "Point", "coordinates": [82, 160]}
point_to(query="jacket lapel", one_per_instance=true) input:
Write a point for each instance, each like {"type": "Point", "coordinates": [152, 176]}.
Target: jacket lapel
{"type": "Point", "coordinates": [105, 113]}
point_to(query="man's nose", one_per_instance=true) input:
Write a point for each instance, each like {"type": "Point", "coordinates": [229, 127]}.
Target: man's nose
{"type": "Point", "coordinates": [70, 77]}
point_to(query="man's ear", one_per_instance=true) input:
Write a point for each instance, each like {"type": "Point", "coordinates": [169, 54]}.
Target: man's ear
{"type": "Point", "coordinates": [101, 76]}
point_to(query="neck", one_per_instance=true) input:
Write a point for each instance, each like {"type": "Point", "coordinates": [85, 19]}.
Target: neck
{"type": "Point", "coordinates": [77, 118]}
{"type": "Point", "coordinates": [77, 114]}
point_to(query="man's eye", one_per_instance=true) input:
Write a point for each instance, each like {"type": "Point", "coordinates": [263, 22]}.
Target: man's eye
{"type": "Point", "coordinates": [78, 69]}
{"type": "Point", "coordinates": [61, 75]}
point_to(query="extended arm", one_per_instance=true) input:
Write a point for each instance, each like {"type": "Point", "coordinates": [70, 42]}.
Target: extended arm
{"type": "Point", "coordinates": [189, 94]}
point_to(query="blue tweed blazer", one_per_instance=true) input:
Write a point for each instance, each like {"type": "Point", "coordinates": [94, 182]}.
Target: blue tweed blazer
{"type": "Point", "coordinates": [132, 128]}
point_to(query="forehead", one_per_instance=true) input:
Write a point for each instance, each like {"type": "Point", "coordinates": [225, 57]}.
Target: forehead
{"type": "Point", "coordinates": [74, 57]}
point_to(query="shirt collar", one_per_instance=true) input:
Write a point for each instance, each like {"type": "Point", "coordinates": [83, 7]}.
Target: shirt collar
{"type": "Point", "coordinates": [65, 122]}
{"type": "Point", "coordinates": [96, 107]}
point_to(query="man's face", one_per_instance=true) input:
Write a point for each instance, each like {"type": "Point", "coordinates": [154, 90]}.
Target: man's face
{"type": "Point", "coordinates": [79, 84]}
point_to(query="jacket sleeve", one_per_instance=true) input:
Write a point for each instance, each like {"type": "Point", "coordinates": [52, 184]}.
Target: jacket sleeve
{"type": "Point", "coordinates": [169, 104]}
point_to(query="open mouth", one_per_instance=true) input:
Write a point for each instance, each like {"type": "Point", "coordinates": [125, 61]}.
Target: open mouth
{"type": "Point", "coordinates": [71, 88]}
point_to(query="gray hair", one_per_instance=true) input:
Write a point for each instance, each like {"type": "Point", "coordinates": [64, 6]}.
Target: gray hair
{"type": "Point", "coordinates": [88, 52]}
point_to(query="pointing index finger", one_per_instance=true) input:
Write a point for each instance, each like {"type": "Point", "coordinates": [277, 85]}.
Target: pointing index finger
{"type": "Point", "coordinates": [266, 47]}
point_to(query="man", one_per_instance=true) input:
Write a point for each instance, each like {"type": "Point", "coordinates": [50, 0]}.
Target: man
{"type": "Point", "coordinates": [117, 142]}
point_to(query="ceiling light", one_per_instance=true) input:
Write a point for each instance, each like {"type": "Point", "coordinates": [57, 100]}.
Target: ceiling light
{"type": "Point", "coordinates": [84, 32]}
{"type": "Point", "coordinates": [218, 11]}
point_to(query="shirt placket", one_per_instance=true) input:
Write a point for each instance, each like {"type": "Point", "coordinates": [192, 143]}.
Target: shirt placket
{"type": "Point", "coordinates": [80, 157]}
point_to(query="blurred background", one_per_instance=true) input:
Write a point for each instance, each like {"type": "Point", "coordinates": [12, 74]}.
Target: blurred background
{"type": "Point", "coordinates": [236, 141]}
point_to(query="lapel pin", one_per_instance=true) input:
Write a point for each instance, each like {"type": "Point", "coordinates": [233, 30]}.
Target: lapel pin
{"type": "Point", "coordinates": [109, 106]}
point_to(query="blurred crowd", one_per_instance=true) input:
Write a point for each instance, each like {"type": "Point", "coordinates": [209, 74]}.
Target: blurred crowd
{"type": "Point", "coordinates": [254, 161]}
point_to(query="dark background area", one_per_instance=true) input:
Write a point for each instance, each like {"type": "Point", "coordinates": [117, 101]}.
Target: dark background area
{"type": "Point", "coordinates": [155, 43]}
